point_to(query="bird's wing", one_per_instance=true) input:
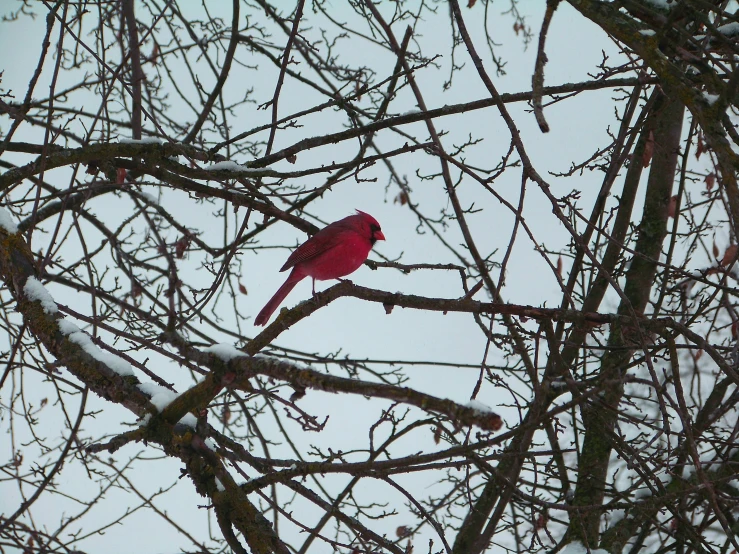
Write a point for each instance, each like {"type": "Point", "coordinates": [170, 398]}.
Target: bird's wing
{"type": "Point", "coordinates": [324, 240]}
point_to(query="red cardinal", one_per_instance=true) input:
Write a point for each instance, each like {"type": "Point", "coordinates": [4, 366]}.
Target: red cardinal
{"type": "Point", "coordinates": [335, 251]}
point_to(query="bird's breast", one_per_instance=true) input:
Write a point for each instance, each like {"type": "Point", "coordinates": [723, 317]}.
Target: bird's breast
{"type": "Point", "coordinates": [339, 261]}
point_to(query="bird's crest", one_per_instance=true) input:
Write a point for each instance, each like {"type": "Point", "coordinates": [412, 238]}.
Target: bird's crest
{"type": "Point", "coordinates": [367, 216]}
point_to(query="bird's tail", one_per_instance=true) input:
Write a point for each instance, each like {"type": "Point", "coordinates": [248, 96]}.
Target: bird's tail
{"type": "Point", "coordinates": [292, 280]}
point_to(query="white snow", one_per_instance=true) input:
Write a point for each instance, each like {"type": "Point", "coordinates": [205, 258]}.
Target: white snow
{"type": "Point", "coordinates": [228, 166]}
{"type": "Point", "coordinates": [189, 420]}
{"type": "Point", "coordinates": [161, 398]}
{"type": "Point", "coordinates": [73, 333]}
{"type": "Point", "coordinates": [35, 291]}
{"type": "Point", "coordinates": [219, 485]}
{"type": "Point", "coordinates": [576, 547]}
{"type": "Point", "coordinates": [268, 358]}
{"type": "Point", "coordinates": [647, 32]}
{"type": "Point", "coordinates": [67, 327]}
{"type": "Point", "coordinates": [730, 29]}
{"type": "Point", "coordinates": [479, 406]}
{"type": "Point", "coordinates": [212, 444]}
{"type": "Point", "coordinates": [6, 222]}
{"type": "Point", "coordinates": [225, 352]}
{"type": "Point", "coordinates": [147, 140]}
{"type": "Point", "coordinates": [710, 98]}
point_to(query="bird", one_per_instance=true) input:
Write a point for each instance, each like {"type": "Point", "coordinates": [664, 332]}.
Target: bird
{"type": "Point", "coordinates": [335, 251]}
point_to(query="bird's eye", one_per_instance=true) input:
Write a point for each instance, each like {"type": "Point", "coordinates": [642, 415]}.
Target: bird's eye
{"type": "Point", "coordinates": [374, 228]}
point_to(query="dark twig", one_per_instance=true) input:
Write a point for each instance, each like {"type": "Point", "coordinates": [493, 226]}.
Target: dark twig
{"type": "Point", "coordinates": [225, 69]}
{"type": "Point", "coordinates": [537, 81]}
{"type": "Point", "coordinates": [285, 61]}
{"type": "Point", "coordinates": [137, 74]}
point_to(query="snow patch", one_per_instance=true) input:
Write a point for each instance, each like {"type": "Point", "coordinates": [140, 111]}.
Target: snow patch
{"type": "Point", "coordinates": [267, 358]}
{"type": "Point", "coordinates": [225, 352]}
{"type": "Point", "coordinates": [189, 420]}
{"type": "Point", "coordinates": [647, 32]}
{"type": "Point", "coordinates": [161, 397]}
{"type": "Point", "coordinates": [146, 140]}
{"type": "Point", "coordinates": [479, 406]}
{"type": "Point", "coordinates": [219, 485]}
{"type": "Point", "coordinates": [159, 392]}
{"type": "Point", "coordinates": [35, 291]}
{"type": "Point", "coordinates": [7, 222]}
{"type": "Point", "coordinates": [73, 333]}
{"type": "Point", "coordinates": [230, 166]}
{"type": "Point", "coordinates": [67, 327]}
{"type": "Point", "coordinates": [710, 98]}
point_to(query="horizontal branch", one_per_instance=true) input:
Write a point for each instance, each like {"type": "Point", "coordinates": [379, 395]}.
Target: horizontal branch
{"type": "Point", "coordinates": [454, 109]}
{"type": "Point", "coordinates": [59, 157]}
{"type": "Point", "coordinates": [390, 300]}
{"type": "Point", "coordinates": [240, 369]}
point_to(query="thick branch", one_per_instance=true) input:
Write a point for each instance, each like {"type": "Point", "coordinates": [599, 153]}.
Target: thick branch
{"type": "Point", "coordinates": [666, 123]}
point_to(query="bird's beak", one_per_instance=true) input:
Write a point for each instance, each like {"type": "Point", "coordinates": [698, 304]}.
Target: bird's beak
{"type": "Point", "coordinates": [379, 235]}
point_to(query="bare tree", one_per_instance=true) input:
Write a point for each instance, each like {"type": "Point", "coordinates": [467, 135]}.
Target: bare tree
{"type": "Point", "coordinates": [157, 166]}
